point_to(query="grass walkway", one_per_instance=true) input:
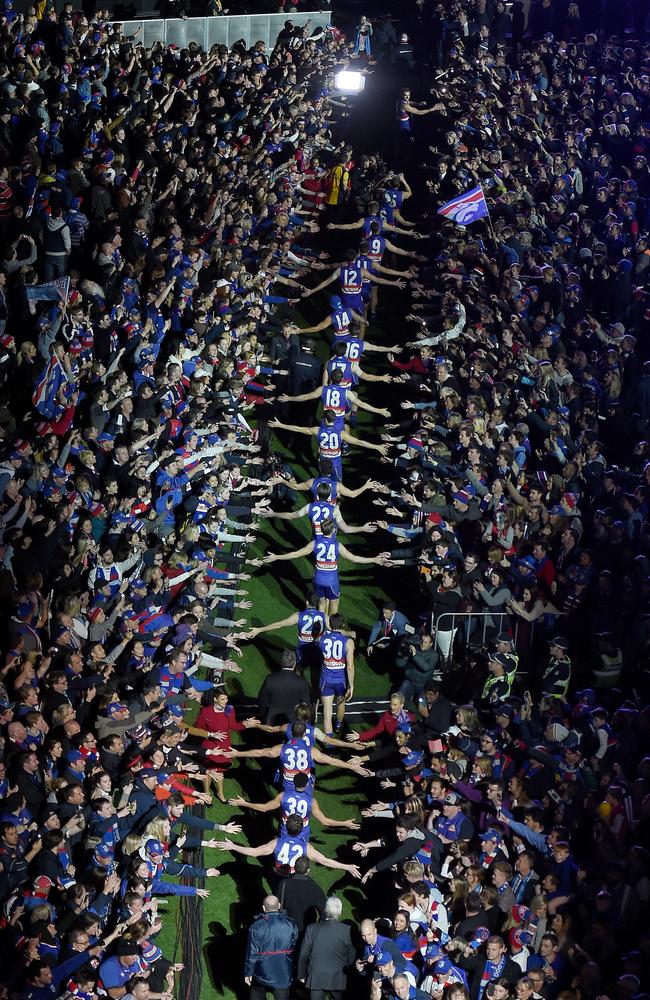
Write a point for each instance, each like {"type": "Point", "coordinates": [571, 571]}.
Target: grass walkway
{"type": "Point", "coordinates": [276, 592]}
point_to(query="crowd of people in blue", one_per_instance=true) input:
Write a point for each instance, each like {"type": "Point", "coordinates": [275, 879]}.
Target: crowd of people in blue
{"type": "Point", "coordinates": [162, 213]}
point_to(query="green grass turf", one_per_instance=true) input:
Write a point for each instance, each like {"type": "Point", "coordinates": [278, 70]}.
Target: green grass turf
{"type": "Point", "coordinates": [277, 592]}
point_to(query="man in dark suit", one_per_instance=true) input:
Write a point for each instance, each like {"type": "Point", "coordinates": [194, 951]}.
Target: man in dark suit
{"type": "Point", "coordinates": [29, 781]}
{"type": "Point", "coordinates": [282, 691]}
{"type": "Point", "coordinates": [326, 954]}
{"type": "Point", "coordinates": [385, 635]}
{"type": "Point", "coordinates": [390, 627]}
{"type": "Point", "coordinates": [302, 898]}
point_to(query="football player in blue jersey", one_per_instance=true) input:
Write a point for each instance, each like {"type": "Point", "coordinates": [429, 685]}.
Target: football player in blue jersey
{"type": "Point", "coordinates": [286, 849]}
{"type": "Point", "coordinates": [338, 489]}
{"type": "Point", "coordinates": [322, 508]}
{"type": "Point", "coordinates": [337, 671]}
{"type": "Point", "coordinates": [299, 802]}
{"type": "Point", "coordinates": [313, 754]}
{"type": "Point", "coordinates": [326, 549]}
{"type": "Point", "coordinates": [374, 215]}
{"type": "Point", "coordinates": [335, 398]}
{"type": "Point", "coordinates": [329, 437]}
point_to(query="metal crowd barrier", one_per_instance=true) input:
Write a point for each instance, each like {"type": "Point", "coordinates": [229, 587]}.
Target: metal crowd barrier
{"type": "Point", "coordinates": [208, 31]}
{"type": "Point", "coordinates": [462, 625]}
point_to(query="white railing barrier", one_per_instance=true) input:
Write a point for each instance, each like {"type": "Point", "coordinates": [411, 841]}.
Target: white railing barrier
{"type": "Point", "coordinates": [209, 31]}
{"type": "Point", "coordinates": [477, 628]}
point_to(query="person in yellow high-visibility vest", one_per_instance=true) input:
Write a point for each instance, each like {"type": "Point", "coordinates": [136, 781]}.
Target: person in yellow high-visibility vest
{"type": "Point", "coordinates": [337, 186]}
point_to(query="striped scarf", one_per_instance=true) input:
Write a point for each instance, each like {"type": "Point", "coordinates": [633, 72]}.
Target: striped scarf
{"type": "Point", "coordinates": [491, 970]}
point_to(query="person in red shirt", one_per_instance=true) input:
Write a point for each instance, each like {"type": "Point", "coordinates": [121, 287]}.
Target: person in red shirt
{"type": "Point", "coordinates": [216, 722]}
{"type": "Point", "coordinates": [385, 729]}
{"type": "Point", "coordinates": [545, 571]}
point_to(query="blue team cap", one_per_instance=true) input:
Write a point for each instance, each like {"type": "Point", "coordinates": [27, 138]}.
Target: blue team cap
{"type": "Point", "coordinates": [384, 959]}
{"type": "Point", "coordinates": [413, 759]}
{"type": "Point", "coordinates": [493, 835]}
{"type": "Point", "coordinates": [442, 967]}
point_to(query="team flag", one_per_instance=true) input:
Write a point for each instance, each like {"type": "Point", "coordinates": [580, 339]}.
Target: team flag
{"type": "Point", "coordinates": [44, 399]}
{"type": "Point", "coordinates": [50, 291]}
{"type": "Point", "coordinates": [466, 208]}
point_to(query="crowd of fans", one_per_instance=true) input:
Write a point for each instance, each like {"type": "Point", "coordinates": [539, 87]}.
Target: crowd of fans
{"type": "Point", "coordinates": [161, 213]}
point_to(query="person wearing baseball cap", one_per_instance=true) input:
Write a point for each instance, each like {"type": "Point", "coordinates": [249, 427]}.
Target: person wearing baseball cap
{"type": "Point", "coordinates": [161, 863]}
{"type": "Point", "coordinates": [445, 973]}
{"type": "Point", "coordinates": [504, 642]}
{"type": "Point", "coordinates": [557, 673]}
{"type": "Point", "coordinates": [453, 826]}
{"type": "Point", "coordinates": [75, 767]}
{"type": "Point", "coordinates": [103, 857]}
{"type": "Point", "coordinates": [115, 972]}
{"type": "Point", "coordinates": [387, 966]}
{"type": "Point", "coordinates": [499, 683]}
{"type": "Point", "coordinates": [504, 713]}
{"type": "Point", "coordinates": [491, 848]}
{"type": "Point", "coordinates": [413, 762]}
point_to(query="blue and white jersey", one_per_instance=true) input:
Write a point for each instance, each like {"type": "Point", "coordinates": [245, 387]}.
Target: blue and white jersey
{"type": "Point", "coordinates": [367, 223]}
{"type": "Point", "coordinates": [288, 850]}
{"type": "Point", "coordinates": [392, 202]}
{"type": "Point", "coordinates": [295, 758]}
{"type": "Point", "coordinates": [295, 803]}
{"type": "Point", "coordinates": [310, 621]}
{"type": "Point", "coordinates": [341, 320]}
{"type": "Point", "coordinates": [376, 248]}
{"type": "Point", "coordinates": [326, 559]}
{"type": "Point", "coordinates": [334, 646]}
{"type": "Point", "coordinates": [335, 397]}
{"type": "Point", "coordinates": [365, 265]}
{"type": "Point", "coordinates": [319, 511]}
{"type": "Point", "coordinates": [310, 730]}
{"type": "Point", "coordinates": [403, 116]}
{"type": "Point", "coordinates": [351, 279]}
{"type": "Point", "coordinates": [333, 498]}
{"type": "Point", "coordinates": [329, 439]}
{"type": "Point", "coordinates": [348, 378]}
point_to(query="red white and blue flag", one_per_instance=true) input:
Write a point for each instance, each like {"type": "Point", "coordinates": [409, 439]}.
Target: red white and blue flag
{"type": "Point", "coordinates": [45, 395]}
{"type": "Point", "coordinates": [466, 208]}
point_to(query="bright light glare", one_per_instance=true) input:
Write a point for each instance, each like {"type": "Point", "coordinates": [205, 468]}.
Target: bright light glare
{"type": "Point", "coordinates": [350, 82]}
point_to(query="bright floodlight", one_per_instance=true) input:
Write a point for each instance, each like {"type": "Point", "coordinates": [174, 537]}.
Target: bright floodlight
{"type": "Point", "coordinates": [350, 82]}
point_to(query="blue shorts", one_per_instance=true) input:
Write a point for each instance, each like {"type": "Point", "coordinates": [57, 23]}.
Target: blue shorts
{"type": "Point", "coordinates": [335, 688]}
{"type": "Point", "coordinates": [330, 591]}
{"type": "Point", "coordinates": [366, 291]}
{"type": "Point", "coordinates": [353, 300]}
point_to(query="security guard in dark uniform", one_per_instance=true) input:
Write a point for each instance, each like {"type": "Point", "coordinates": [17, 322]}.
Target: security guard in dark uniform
{"type": "Point", "coordinates": [305, 369]}
{"type": "Point", "coordinates": [557, 675]}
